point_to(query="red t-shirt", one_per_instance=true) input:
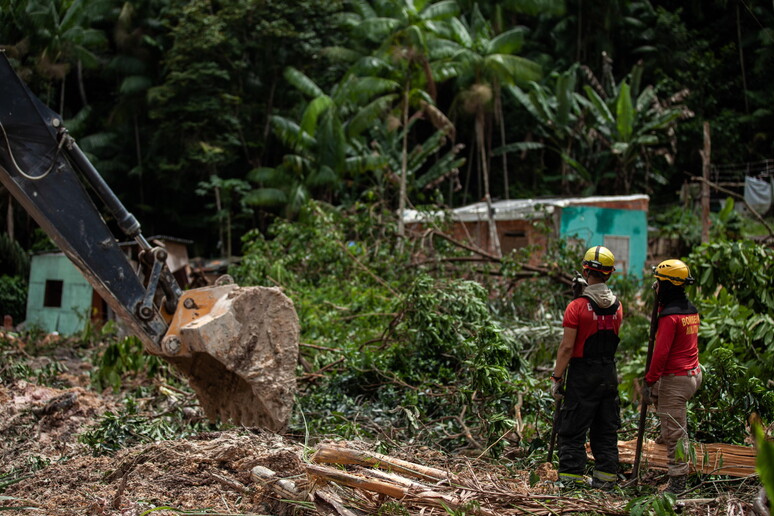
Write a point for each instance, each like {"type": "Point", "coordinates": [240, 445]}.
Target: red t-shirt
{"type": "Point", "coordinates": [676, 349]}
{"type": "Point", "coordinates": [580, 315]}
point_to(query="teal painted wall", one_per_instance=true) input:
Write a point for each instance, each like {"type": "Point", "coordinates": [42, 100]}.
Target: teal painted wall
{"type": "Point", "coordinates": [69, 318]}
{"type": "Point", "coordinates": [591, 225]}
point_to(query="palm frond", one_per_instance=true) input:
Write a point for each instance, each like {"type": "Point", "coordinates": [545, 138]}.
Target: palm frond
{"type": "Point", "coordinates": [359, 164]}
{"type": "Point", "coordinates": [366, 116]}
{"type": "Point", "coordinates": [513, 69]}
{"type": "Point", "coordinates": [460, 33]}
{"type": "Point", "coordinates": [378, 29]}
{"type": "Point", "coordinates": [266, 175]}
{"type": "Point", "coordinates": [324, 176]}
{"type": "Point", "coordinates": [440, 10]}
{"type": "Point", "coordinates": [341, 54]}
{"type": "Point", "coordinates": [600, 109]}
{"type": "Point", "coordinates": [316, 108]}
{"type": "Point", "coordinates": [135, 84]}
{"type": "Point", "coordinates": [624, 112]}
{"type": "Point", "coordinates": [290, 133]}
{"type": "Point", "coordinates": [518, 147]}
{"type": "Point", "coordinates": [301, 82]}
{"type": "Point", "coordinates": [266, 197]}
{"type": "Point", "coordinates": [362, 89]}
{"type": "Point", "coordinates": [509, 42]}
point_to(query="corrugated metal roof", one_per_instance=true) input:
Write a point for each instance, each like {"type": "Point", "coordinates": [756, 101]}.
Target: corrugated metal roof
{"type": "Point", "coordinates": [514, 209]}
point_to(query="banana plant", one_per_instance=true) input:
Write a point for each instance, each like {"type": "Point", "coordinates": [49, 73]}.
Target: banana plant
{"type": "Point", "coordinates": [559, 114]}
{"type": "Point", "coordinates": [61, 33]}
{"type": "Point", "coordinates": [403, 31]}
{"type": "Point", "coordinates": [482, 61]}
{"type": "Point", "coordinates": [428, 163]}
{"type": "Point", "coordinates": [633, 127]}
{"type": "Point", "coordinates": [323, 145]}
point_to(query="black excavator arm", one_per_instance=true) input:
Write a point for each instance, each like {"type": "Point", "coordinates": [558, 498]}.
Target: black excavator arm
{"type": "Point", "coordinates": [40, 164]}
{"type": "Point", "coordinates": [237, 346]}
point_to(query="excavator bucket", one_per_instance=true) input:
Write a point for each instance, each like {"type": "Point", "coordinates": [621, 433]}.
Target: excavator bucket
{"type": "Point", "coordinates": [238, 347]}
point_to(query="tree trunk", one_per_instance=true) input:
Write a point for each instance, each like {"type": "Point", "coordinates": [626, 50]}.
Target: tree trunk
{"type": "Point", "coordinates": [741, 60]}
{"type": "Point", "coordinates": [218, 208]}
{"type": "Point", "coordinates": [403, 170]}
{"type": "Point", "coordinates": [138, 152]}
{"type": "Point", "coordinates": [81, 86]}
{"type": "Point", "coordinates": [494, 239]}
{"type": "Point", "coordinates": [500, 120]}
{"type": "Point", "coordinates": [9, 217]}
{"type": "Point", "coordinates": [705, 193]}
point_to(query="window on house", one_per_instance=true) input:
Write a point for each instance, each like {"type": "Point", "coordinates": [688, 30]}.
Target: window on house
{"type": "Point", "coordinates": [619, 246]}
{"type": "Point", "coordinates": [52, 298]}
{"type": "Point", "coordinates": [513, 240]}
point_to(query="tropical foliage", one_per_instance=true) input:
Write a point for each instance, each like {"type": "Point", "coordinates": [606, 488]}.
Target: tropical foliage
{"type": "Point", "coordinates": [291, 133]}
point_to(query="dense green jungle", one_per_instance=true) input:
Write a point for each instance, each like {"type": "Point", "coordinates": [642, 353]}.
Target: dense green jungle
{"type": "Point", "coordinates": [286, 137]}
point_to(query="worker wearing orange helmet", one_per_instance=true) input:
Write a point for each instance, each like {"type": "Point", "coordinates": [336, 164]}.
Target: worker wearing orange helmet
{"type": "Point", "coordinates": [674, 374]}
{"type": "Point", "coordinates": [590, 392]}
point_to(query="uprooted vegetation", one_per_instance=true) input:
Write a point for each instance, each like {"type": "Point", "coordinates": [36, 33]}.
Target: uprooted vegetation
{"type": "Point", "coordinates": [405, 352]}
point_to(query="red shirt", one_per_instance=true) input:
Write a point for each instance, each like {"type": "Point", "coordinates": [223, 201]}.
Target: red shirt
{"type": "Point", "coordinates": [676, 349]}
{"type": "Point", "coordinates": [580, 315]}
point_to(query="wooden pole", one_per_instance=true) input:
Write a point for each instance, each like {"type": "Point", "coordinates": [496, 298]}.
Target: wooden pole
{"type": "Point", "coordinates": [644, 406]}
{"type": "Point", "coordinates": [705, 191]}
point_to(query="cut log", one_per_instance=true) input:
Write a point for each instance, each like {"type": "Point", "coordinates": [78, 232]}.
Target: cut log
{"type": "Point", "coordinates": [331, 454]}
{"type": "Point", "coordinates": [427, 497]}
{"type": "Point", "coordinates": [710, 459]}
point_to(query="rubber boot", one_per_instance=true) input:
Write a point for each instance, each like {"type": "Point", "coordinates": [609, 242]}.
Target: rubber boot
{"type": "Point", "coordinates": [602, 484]}
{"type": "Point", "coordinates": [676, 485]}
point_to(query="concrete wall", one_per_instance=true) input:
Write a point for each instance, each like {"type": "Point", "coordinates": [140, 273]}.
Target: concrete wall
{"type": "Point", "coordinates": [75, 300]}
{"type": "Point", "coordinates": [614, 228]}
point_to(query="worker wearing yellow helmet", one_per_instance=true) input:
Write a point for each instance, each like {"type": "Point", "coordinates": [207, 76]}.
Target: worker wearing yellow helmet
{"type": "Point", "coordinates": [674, 374]}
{"type": "Point", "coordinates": [590, 390]}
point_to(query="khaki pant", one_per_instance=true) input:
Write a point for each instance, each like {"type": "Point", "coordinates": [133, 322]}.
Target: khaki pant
{"type": "Point", "coordinates": [673, 394]}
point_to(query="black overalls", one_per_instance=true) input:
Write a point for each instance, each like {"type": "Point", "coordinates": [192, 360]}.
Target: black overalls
{"type": "Point", "coordinates": [591, 404]}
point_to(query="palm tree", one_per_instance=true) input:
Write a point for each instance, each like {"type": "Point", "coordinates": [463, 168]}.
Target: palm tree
{"type": "Point", "coordinates": [62, 34]}
{"type": "Point", "coordinates": [403, 30]}
{"type": "Point", "coordinates": [483, 62]}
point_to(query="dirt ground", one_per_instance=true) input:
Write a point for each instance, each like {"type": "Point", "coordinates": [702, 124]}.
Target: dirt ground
{"type": "Point", "coordinates": [207, 473]}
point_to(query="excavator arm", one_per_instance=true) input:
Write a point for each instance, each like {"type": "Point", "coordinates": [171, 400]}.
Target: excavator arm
{"type": "Point", "coordinates": [237, 346]}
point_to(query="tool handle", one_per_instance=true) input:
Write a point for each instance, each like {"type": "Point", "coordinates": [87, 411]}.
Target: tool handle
{"type": "Point", "coordinates": [643, 405]}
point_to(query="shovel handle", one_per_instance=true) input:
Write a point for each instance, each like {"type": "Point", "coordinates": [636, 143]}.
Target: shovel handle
{"type": "Point", "coordinates": [643, 406]}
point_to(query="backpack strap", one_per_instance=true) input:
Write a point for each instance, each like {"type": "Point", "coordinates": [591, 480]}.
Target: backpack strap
{"type": "Point", "coordinates": [610, 310]}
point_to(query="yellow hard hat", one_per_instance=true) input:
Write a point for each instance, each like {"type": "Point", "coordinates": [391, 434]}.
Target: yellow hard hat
{"type": "Point", "coordinates": [599, 258]}
{"type": "Point", "coordinates": [674, 271]}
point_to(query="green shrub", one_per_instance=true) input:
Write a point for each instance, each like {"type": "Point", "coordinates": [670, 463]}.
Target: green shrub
{"type": "Point", "coordinates": [728, 395]}
{"type": "Point", "coordinates": [13, 297]}
{"type": "Point", "coordinates": [120, 357]}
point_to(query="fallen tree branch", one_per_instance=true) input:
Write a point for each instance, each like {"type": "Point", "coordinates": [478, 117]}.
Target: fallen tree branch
{"type": "Point", "coordinates": [561, 277]}
{"type": "Point", "coordinates": [331, 454]}
{"type": "Point", "coordinates": [428, 497]}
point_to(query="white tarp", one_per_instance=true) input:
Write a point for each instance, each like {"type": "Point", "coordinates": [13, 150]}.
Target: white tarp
{"type": "Point", "coordinates": [758, 193]}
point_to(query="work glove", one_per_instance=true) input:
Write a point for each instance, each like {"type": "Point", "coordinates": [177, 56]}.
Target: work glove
{"type": "Point", "coordinates": [578, 285]}
{"type": "Point", "coordinates": [647, 394]}
{"type": "Point", "coordinates": [557, 389]}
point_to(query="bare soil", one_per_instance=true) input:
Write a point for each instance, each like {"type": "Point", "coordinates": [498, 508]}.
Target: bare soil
{"type": "Point", "coordinates": [208, 472]}
{"type": "Point", "coordinates": [46, 469]}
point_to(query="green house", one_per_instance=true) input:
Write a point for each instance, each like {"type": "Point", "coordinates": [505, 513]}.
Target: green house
{"type": "Point", "coordinates": [59, 298]}
{"type": "Point", "coordinates": [619, 222]}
